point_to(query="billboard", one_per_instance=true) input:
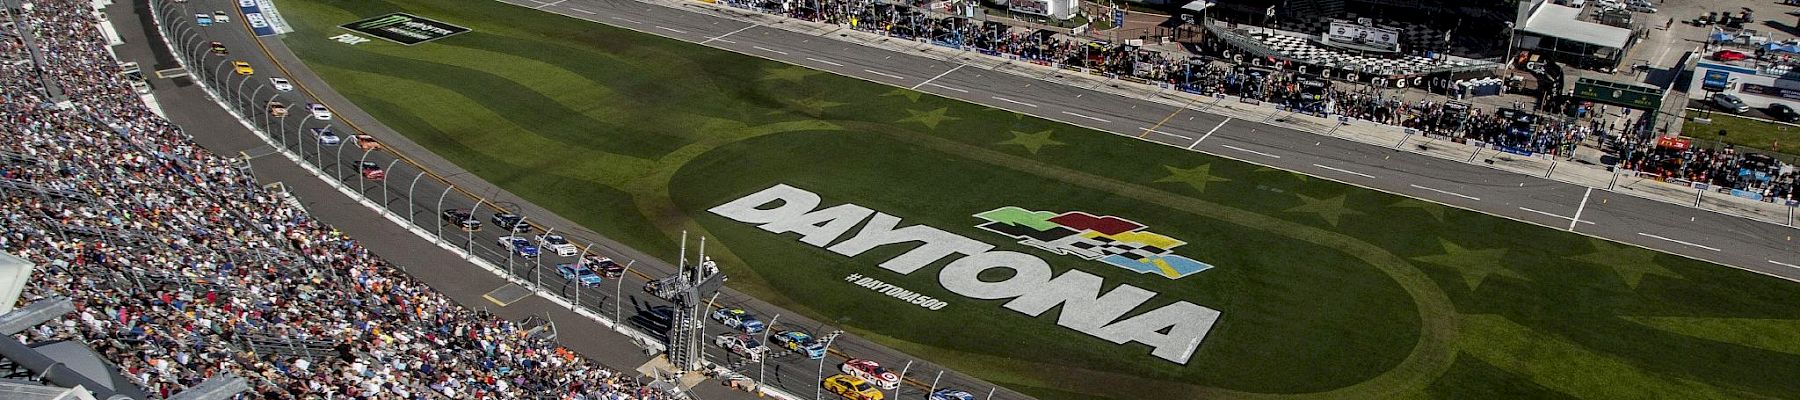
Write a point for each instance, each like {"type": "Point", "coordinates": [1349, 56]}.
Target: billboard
{"type": "Point", "coordinates": [1363, 35]}
{"type": "Point", "coordinates": [403, 28]}
{"type": "Point", "coordinates": [1033, 7]}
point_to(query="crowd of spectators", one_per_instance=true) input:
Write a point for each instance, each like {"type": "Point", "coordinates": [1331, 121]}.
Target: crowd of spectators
{"type": "Point", "coordinates": [175, 259]}
{"type": "Point", "coordinates": [1520, 129]}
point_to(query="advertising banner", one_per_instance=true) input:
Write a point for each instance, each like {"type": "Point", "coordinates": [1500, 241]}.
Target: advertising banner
{"type": "Point", "coordinates": [253, 15]}
{"type": "Point", "coordinates": [1033, 7]}
{"type": "Point", "coordinates": [403, 28]}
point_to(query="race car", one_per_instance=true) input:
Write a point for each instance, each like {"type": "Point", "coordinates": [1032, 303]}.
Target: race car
{"type": "Point", "coordinates": [366, 142]}
{"type": "Point", "coordinates": [462, 219]}
{"type": "Point", "coordinates": [737, 318]}
{"type": "Point", "coordinates": [851, 387]}
{"type": "Point", "coordinates": [218, 48]}
{"type": "Point", "coordinates": [277, 109]}
{"type": "Point", "coordinates": [371, 171]}
{"type": "Point", "coordinates": [281, 83]}
{"type": "Point", "coordinates": [799, 342]}
{"type": "Point", "coordinates": [579, 273]}
{"type": "Point", "coordinates": [872, 372]}
{"type": "Point", "coordinates": [319, 111]}
{"type": "Point", "coordinates": [514, 221]}
{"type": "Point", "coordinates": [242, 68]}
{"type": "Point", "coordinates": [203, 19]}
{"type": "Point", "coordinates": [742, 344]}
{"type": "Point", "coordinates": [556, 243]}
{"type": "Point", "coordinates": [951, 394]}
{"type": "Point", "coordinates": [606, 266]}
{"type": "Point", "coordinates": [326, 136]}
{"type": "Point", "coordinates": [518, 245]}
{"type": "Point", "coordinates": [221, 17]}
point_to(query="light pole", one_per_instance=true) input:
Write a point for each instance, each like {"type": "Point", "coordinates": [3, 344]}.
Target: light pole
{"type": "Point", "coordinates": [268, 120]}
{"type": "Point", "coordinates": [469, 246]}
{"type": "Point", "coordinates": [359, 172]}
{"type": "Point", "coordinates": [538, 262]}
{"type": "Point", "coordinates": [934, 381]}
{"type": "Point", "coordinates": [902, 379]}
{"type": "Point", "coordinates": [618, 288]}
{"type": "Point", "coordinates": [409, 196]}
{"type": "Point", "coordinates": [440, 210]}
{"type": "Point", "coordinates": [765, 359]}
{"type": "Point", "coordinates": [337, 157]}
{"type": "Point", "coordinates": [238, 96]}
{"type": "Point", "coordinates": [384, 185]}
{"type": "Point", "coordinates": [579, 260]}
{"type": "Point", "coordinates": [301, 140]}
{"type": "Point", "coordinates": [820, 389]}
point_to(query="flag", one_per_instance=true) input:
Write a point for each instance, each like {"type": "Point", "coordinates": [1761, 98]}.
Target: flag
{"type": "Point", "coordinates": [1270, 13]}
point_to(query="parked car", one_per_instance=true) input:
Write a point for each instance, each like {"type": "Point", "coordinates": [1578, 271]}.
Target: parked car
{"type": "Point", "coordinates": [371, 171]}
{"type": "Point", "coordinates": [1729, 55]}
{"type": "Point", "coordinates": [1730, 102]}
{"type": "Point", "coordinates": [281, 83]}
{"type": "Point", "coordinates": [462, 219]}
{"type": "Point", "coordinates": [1783, 113]}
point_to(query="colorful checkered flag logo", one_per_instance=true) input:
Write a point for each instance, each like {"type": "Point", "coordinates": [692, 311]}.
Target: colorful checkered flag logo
{"type": "Point", "coordinates": [1112, 240]}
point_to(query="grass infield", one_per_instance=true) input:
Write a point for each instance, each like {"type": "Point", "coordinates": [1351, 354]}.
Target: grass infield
{"type": "Point", "coordinates": [1327, 290]}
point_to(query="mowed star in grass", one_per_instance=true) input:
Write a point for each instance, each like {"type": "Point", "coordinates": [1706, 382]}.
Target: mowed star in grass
{"type": "Point", "coordinates": [1475, 266]}
{"type": "Point", "coordinates": [791, 73]}
{"type": "Point", "coordinates": [931, 119]}
{"type": "Point", "coordinates": [1630, 263]}
{"type": "Point", "coordinates": [1332, 209]}
{"type": "Point", "coordinates": [814, 106]}
{"type": "Point", "coordinates": [1196, 177]}
{"type": "Point", "coordinates": [909, 94]}
{"type": "Point", "coordinates": [1032, 141]}
{"type": "Point", "coordinates": [1436, 210]}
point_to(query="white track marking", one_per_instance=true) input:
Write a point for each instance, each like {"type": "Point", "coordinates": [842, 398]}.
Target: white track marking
{"type": "Point", "coordinates": [1572, 222]}
{"type": "Point", "coordinates": [826, 62]}
{"type": "Point", "coordinates": [583, 11]}
{"type": "Point", "coordinates": [627, 20]}
{"type": "Point", "coordinates": [1249, 151]}
{"type": "Point", "coordinates": [958, 66]}
{"type": "Point", "coordinates": [720, 37]}
{"type": "Point", "coordinates": [1579, 209]}
{"type": "Point", "coordinates": [540, 7]}
{"type": "Point", "coordinates": [1784, 264]}
{"type": "Point", "coordinates": [950, 88]}
{"type": "Point", "coordinates": [1084, 116]}
{"type": "Point", "coordinates": [1678, 241]}
{"type": "Point", "coordinates": [1014, 101]}
{"type": "Point", "coordinates": [1344, 171]}
{"type": "Point", "coordinates": [769, 50]}
{"type": "Point", "coordinates": [1164, 133]}
{"type": "Point", "coordinates": [670, 29]}
{"type": "Point", "coordinates": [1209, 133]}
{"type": "Point", "coordinates": [1447, 192]}
{"type": "Point", "coordinates": [884, 74]}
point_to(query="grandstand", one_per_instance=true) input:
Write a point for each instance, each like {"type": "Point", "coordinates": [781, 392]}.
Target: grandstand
{"type": "Point", "coordinates": [176, 267]}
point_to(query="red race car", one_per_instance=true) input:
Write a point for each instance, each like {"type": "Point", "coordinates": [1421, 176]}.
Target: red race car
{"type": "Point", "coordinates": [872, 372]}
{"type": "Point", "coordinates": [1729, 55]}
{"type": "Point", "coordinates": [371, 171]}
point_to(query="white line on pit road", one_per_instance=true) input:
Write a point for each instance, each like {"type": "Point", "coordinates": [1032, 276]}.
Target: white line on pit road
{"type": "Point", "coordinates": [1014, 101]}
{"type": "Point", "coordinates": [1164, 133]}
{"type": "Point", "coordinates": [1784, 264]}
{"type": "Point", "coordinates": [670, 29]}
{"type": "Point", "coordinates": [627, 20]}
{"type": "Point", "coordinates": [1250, 151]}
{"type": "Point", "coordinates": [949, 88]}
{"type": "Point", "coordinates": [1677, 241]}
{"type": "Point", "coordinates": [1447, 192]}
{"type": "Point", "coordinates": [1209, 133]}
{"type": "Point", "coordinates": [1344, 171]}
{"type": "Point", "coordinates": [1584, 199]}
{"type": "Point", "coordinates": [825, 62]}
{"type": "Point", "coordinates": [583, 11]}
{"type": "Point", "coordinates": [1084, 116]}
{"type": "Point", "coordinates": [958, 66]}
{"type": "Point", "coordinates": [769, 50]}
{"type": "Point", "coordinates": [549, 4]}
{"type": "Point", "coordinates": [884, 74]}
{"type": "Point", "coordinates": [720, 37]}
{"type": "Point", "coordinates": [1573, 221]}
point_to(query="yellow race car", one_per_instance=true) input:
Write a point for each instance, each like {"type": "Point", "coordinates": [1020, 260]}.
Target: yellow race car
{"type": "Point", "coordinates": [851, 387]}
{"type": "Point", "coordinates": [242, 68]}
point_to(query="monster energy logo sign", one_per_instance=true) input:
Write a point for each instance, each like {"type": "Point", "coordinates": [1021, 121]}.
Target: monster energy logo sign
{"type": "Point", "coordinates": [404, 28]}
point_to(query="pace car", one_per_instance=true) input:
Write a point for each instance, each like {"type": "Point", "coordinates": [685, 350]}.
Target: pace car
{"type": "Point", "coordinates": [519, 246]}
{"type": "Point", "coordinates": [851, 387]}
{"type": "Point", "coordinates": [799, 342]}
{"type": "Point", "coordinates": [872, 372]}
{"type": "Point", "coordinates": [578, 272]}
{"type": "Point", "coordinates": [737, 318]}
{"type": "Point", "coordinates": [556, 243]}
{"type": "Point", "coordinates": [951, 394]}
{"type": "Point", "coordinates": [742, 344]}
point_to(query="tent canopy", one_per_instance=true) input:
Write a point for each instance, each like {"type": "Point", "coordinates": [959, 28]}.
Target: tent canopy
{"type": "Point", "coordinates": [1559, 22]}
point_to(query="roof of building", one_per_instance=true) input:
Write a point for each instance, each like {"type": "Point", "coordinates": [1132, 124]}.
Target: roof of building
{"type": "Point", "coordinates": [1560, 22]}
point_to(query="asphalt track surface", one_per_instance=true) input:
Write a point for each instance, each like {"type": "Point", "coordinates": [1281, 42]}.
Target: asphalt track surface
{"type": "Point", "coordinates": [409, 191]}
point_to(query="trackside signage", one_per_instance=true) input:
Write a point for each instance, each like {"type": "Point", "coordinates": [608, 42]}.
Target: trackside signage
{"type": "Point", "coordinates": [1173, 331]}
{"type": "Point", "coordinates": [403, 28]}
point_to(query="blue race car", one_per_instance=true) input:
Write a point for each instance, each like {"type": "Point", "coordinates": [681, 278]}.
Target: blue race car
{"type": "Point", "coordinates": [951, 394]}
{"type": "Point", "coordinates": [519, 246]}
{"type": "Point", "coordinates": [580, 273]}
{"type": "Point", "coordinates": [737, 318]}
{"type": "Point", "coordinates": [799, 342]}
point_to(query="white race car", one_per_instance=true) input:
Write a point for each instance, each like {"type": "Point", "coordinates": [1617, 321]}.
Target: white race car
{"type": "Point", "coordinates": [281, 83]}
{"type": "Point", "coordinates": [743, 345]}
{"type": "Point", "coordinates": [556, 243]}
{"type": "Point", "coordinates": [318, 111]}
{"type": "Point", "coordinates": [872, 372]}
